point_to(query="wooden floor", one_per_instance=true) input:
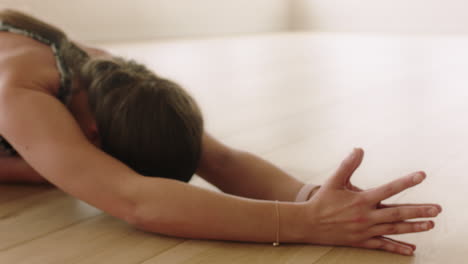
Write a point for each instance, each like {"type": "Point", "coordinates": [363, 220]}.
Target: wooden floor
{"type": "Point", "coordinates": [302, 101]}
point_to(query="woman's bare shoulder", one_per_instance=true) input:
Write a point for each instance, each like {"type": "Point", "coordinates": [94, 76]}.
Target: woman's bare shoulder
{"type": "Point", "coordinates": [27, 63]}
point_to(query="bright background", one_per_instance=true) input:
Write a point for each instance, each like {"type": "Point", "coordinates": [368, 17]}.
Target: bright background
{"type": "Point", "coordinates": [122, 20]}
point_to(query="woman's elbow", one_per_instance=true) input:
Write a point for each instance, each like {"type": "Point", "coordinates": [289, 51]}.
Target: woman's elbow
{"type": "Point", "coordinates": [150, 221]}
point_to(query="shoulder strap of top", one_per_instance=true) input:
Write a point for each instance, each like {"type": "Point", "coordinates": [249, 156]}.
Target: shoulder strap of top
{"type": "Point", "coordinates": [64, 92]}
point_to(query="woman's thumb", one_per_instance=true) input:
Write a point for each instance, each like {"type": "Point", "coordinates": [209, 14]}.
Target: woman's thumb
{"type": "Point", "coordinates": [346, 169]}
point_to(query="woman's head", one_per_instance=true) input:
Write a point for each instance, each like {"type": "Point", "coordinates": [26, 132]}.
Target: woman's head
{"type": "Point", "coordinates": [147, 122]}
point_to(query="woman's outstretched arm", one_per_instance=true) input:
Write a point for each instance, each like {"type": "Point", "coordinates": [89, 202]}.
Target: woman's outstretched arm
{"type": "Point", "coordinates": [47, 137]}
{"type": "Point", "coordinates": [244, 174]}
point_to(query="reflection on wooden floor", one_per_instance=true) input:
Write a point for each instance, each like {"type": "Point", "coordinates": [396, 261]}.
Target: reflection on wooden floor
{"type": "Point", "coordinates": [302, 101]}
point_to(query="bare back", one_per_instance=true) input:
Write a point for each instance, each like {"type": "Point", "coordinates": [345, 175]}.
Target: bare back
{"type": "Point", "coordinates": [27, 62]}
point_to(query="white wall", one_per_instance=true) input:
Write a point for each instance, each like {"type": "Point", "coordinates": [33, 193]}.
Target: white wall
{"type": "Point", "coordinates": [388, 16]}
{"type": "Point", "coordinates": [107, 20]}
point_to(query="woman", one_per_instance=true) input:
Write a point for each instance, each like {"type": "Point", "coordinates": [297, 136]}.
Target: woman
{"type": "Point", "coordinates": [93, 125]}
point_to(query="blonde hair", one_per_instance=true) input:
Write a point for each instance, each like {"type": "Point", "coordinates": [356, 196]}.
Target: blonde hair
{"type": "Point", "coordinates": [149, 123]}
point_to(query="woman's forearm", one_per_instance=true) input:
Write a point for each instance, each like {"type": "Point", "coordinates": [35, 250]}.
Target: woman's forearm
{"type": "Point", "coordinates": [247, 175]}
{"type": "Point", "coordinates": [183, 210]}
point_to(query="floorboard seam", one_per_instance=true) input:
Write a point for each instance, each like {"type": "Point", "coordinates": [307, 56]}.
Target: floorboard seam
{"type": "Point", "coordinates": [167, 249]}
{"type": "Point", "coordinates": [324, 255]}
{"type": "Point", "coordinates": [48, 233]}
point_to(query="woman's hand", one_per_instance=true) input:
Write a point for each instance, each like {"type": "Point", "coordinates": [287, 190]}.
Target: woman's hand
{"type": "Point", "coordinates": [342, 214]}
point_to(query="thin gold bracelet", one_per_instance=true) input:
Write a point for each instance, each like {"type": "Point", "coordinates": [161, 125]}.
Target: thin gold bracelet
{"type": "Point", "coordinates": [277, 243]}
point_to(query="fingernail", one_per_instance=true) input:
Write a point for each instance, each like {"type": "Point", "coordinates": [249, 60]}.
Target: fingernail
{"type": "Point", "coordinates": [419, 177]}
{"type": "Point", "coordinates": [425, 226]}
{"type": "Point", "coordinates": [351, 156]}
{"type": "Point", "coordinates": [407, 251]}
{"type": "Point", "coordinates": [433, 211]}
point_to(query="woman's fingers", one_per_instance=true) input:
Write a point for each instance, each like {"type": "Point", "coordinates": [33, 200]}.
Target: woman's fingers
{"type": "Point", "coordinates": [390, 189]}
{"type": "Point", "coordinates": [346, 169]}
{"type": "Point", "coordinates": [400, 228]}
{"type": "Point", "coordinates": [404, 205]}
{"type": "Point", "coordinates": [386, 245]}
{"type": "Point", "coordinates": [413, 246]}
{"type": "Point", "coordinates": [398, 214]}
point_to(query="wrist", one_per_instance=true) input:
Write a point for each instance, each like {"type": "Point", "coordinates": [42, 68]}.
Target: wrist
{"type": "Point", "coordinates": [291, 219]}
